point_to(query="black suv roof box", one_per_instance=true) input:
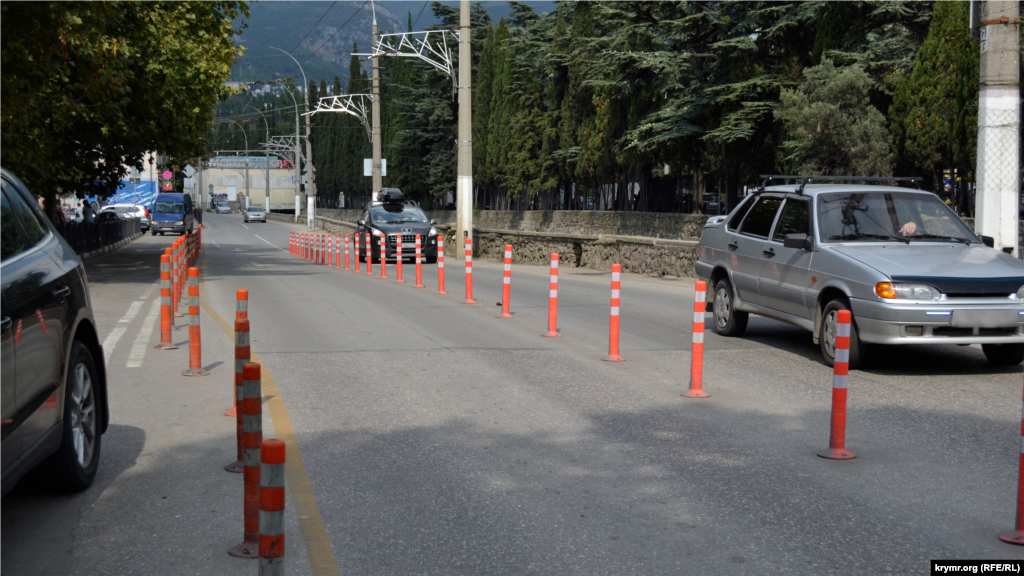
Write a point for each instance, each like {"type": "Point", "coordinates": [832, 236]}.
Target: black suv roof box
{"type": "Point", "coordinates": [391, 196]}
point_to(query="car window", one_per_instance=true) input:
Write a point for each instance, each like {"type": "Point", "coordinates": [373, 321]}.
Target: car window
{"type": "Point", "coordinates": [397, 214]}
{"type": "Point", "coordinates": [33, 229]}
{"type": "Point", "coordinates": [759, 221]}
{"type": "Point", "coordinates": [795, 219]}
{"type": "Point", "coordinates": [169, 207]}
{"type": "Point", "coordinates": [12, 242]}
{"type": "Point", "coordinates": [741, 211]}
{"type": "Point", "coordinates": [887, 216]}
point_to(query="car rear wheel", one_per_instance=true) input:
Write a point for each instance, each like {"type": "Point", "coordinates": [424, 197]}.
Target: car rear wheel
{"type": "Point", "coordinates": [827, 335]}
{"type": "Point", "coordinates": [728, 320]}
{"type": "Point", "coordinates": [1004, 354]}
{"type": "Point", "coordinates": [73, 467]}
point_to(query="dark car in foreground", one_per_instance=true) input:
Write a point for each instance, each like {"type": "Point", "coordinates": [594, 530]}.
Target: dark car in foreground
{"type": "Point", "coordinates": [54, 393]}
{"type": "Point", "coordinates": [394, 217]}
{"type": "Point", "coordinates": [906, 266]}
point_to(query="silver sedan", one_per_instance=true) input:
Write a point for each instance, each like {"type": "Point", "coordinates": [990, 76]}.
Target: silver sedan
{"type": "Point", "coordinates": [908, 268]}
{"type": "Point", "coordinates": [255, 214]}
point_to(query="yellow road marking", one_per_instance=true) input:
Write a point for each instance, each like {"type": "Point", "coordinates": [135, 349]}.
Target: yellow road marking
{"type": "Point", "coordinates": [311, 524]}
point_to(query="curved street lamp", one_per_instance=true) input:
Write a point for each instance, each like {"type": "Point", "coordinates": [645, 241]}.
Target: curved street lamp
{"type": "Point", "coordinates": [309, 151]}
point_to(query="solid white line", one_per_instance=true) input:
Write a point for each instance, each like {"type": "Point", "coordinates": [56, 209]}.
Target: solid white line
{"type": "Point", "coordinates": [240, 224]}
{"type": "Point", "coordinates": [274, 245]}
{"type": "Point", "coordinates": [138, 351]}
{"type": "Point", "coordinates": [133, 310]}
{"type": "Point", "coordinates": [110, 342]}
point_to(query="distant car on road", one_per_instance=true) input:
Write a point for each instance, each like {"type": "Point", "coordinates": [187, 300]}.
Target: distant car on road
{"type": "Point", "coordinates": [54, 385]}
{"type": "Point", "coordinates": [906, 266]}
{"type": "Point", "coordinates": [255, 213]}
{"type": "Point", "coordinates": [132, 210]}
{"type": "Point", "coordinates": [391, 217]}
{"type": "Point", "coordinates": [222, 208]}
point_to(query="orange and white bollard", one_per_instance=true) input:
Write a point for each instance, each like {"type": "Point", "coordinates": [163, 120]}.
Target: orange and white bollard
{"type": "Point", "coordinates": [252, 408]}
{"type": "Point", "coordinates": [176, 277]}
{"type": "Point", "coordinates": [42, 321]}
{"type": "Point", "coordinates": [383, 259]}
{"type": "Point", "coordinates": [166, 318]}
{"type": "Point", "coordinates": [369, 256]}
{"type": "Point", "coordinates": [469, 272]}
{"type": "Point", "coordinates": [398, 258]}
{"type": "Point", "coordinates": [419, 261]}
{"type": "Point", "coordinates": [613, 322]}
{"type": "Point", "coordinates": [506, 287]}
{"type": "Point", "coordinates": [243, 355]}
{"type": "Point", "coordinates": [337, 250]}
{"type": "Point", "coordinates": [272, 498]}
{"type": "Point", "coordinates": [241, 311]}
{"type": "Point", "coordinates": [440, 265]}
{"type": "Point", "coordinates": [697, 347]}
{"type": "Point", "coordinates": [840, 376]}
{"type": "Point", "coordinates": [1017, 536]}
{"type": "Point", "coordinates": [553, 300]}
{"type": "Point", "coordinates": [195, 347]}
{"type": "Point", "coordinates": [241, 303]}
{"type": "Point", "coordinates": [356, 237]}
{"type": "Point", "coordinates": [291, 243]}
{"type": "Point", "coordinates": [346, 252]}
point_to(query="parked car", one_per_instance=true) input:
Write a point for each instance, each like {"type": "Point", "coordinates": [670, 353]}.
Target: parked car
{"type": "Point", "coordinates": [132, 210]}
{"type": "Point", "coordinates": [54, 387]}
{"type": "Point", "coordinates": [255, 213]}
{"type": "Point", "coordinates": [172, 213]}
{"type": "Point", "coordinates": [909, 270]}
{"type": "Point", "coordinates": [111, 216]}
{"type": "Point", "coordinates": [393, 216]}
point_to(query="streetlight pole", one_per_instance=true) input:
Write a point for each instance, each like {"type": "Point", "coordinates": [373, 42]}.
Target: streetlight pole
{"type": "Point", "coordinates": [266, 161]}
{"type": "Point", "coordinates": [309, 150]}
{"type": "Point", "coordinates": [246, 160]}
{"type": "Point", "coordinates": [298, 177]}
{"type": "Point", "coordinates": [378, 181]}
{"type": "Point", "coordinates": [464, 183]}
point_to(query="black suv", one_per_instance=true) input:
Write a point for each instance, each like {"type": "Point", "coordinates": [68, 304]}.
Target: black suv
{"type": "Point", "coordinates": [54, 403]}
{"type": "Point", "coordinates": [391, 217]}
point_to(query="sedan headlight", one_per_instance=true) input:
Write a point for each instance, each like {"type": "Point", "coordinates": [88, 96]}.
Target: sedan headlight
{"type": "Point", "coordinates": [1020, 293]}
{"type": "Point", "coordinates": [433, 232]}
{"type": "Point", "coordinates": [376, 232]}
{"type": "Point", "coordinates": [906, 291]}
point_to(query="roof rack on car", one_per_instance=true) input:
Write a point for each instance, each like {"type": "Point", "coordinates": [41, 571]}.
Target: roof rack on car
{"type": "Point", "coordinates": [804, 180]}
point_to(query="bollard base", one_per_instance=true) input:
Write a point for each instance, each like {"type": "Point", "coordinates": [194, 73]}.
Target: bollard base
{"type": "Point", "coordinates": [503, 315]}
{"type": "Point", "coordinates": [231, 412]}
{"type": "Point", "coordinates": [178, 314]}
{"type": "Point", "coordinates": [551, 335]}
{"type": "Point", "coordinates": [442, 293]}
{"type": "Point", "coordinates": [420, 286]}
{"type": "Point", "coordinates": [837, 454]}
{"type": "Point", "coordinates": [695, 393]}
{"type": "Point", "coordinates": [470, 301]}
{"type": "Point", "coordinates": [1015, 537]}
{"type": "Point", "coordinates": [165, 346]}
{"type": "Point", "coordinates": [613, 358]}
{"type": "Point", "coordinates": [195, 372]}
{"type": "Point", "coordinates": [246, 550]}
{"type": "Point", "coordinates": [236, 467]}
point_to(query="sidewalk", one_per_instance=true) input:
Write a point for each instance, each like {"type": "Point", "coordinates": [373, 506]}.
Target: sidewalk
{"type": "Point", "coordinates": [161, 502]}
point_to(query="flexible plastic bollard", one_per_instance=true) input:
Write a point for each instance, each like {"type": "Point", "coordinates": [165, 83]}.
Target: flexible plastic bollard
{"type": "Point", "coordinates": [176, 277]}
{"type": "Point", "coordinates": [243, 354]}
{"type": "Point", "coordinates": [166, 318]}
{"type": "Point", "coordinates": [553, 300]}
{"type": "Point", "coordinates": [697, 347]}
{"type": "Point", "coordinates": [195, 347]}
{"type": "Point", "coordinates": [369, 256]}
{"type": "Point", "coordinates": [337, 254]}
{"type": "Point", "coordinates": [272, 499]}
{"type": "Point", "coordinates": [440, 265]}
{"type": "Point", "coordinates": [241, 311]}
{"type": "Point", "coordinates": [356, 237]}
{"type": "Point", "coordinates": [469, 272]}
{"type": "Point", "coordinates": [613, 321]}
{"type": "Point", "coordinates": [1017, 535]}
{"type": "Point", "coordinates": [506, 288]}
{"type": "Point", "coordinates": [419, 261]}
{"type": "Point", "coordinates": [383, 259]}
{"type": "Point", "coordinates": [252, 409]}
{"type": "Point", "coordinates": [346, 253]}
{"type": "Point", "coordinates": [840, 375]}
{"type": "Point", "coordinates": [398, 258]}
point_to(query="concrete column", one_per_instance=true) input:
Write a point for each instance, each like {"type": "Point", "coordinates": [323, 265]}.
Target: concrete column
{"type": "Point", "coordinates": [464, 184]}
{"type": "Point", "coordinates": [378, 181]}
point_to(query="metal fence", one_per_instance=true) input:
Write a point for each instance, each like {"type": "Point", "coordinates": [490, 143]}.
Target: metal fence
{"type": "Point", "coordinates": [86, 237]}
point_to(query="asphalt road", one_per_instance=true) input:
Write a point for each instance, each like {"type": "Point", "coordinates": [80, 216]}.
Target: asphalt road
{"type": "Point", "coordinates": [441, 439]}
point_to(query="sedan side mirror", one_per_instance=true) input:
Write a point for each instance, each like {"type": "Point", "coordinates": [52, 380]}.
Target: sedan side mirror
{"type": "Point", "coordinates": [432, 221]}
{"type": "Point", "coordinates": [988, 241]}
{"type": "Point", "coordinates": [361, 222]}
{"type": "Point", "coordinates": [797, 241]}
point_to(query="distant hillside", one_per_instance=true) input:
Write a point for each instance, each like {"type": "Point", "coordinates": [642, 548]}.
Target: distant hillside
{"type": "Point", "coordinates": [283, 24]}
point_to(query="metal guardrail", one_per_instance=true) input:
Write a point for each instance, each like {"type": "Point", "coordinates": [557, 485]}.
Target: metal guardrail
{"type": "Point", "coordinates": [87, 237]}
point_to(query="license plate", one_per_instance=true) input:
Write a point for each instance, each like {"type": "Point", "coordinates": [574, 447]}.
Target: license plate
{"type": "Point", "coordinates": [984, 318]}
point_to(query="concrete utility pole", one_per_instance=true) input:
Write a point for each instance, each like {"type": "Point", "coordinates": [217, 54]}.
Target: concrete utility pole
{"type": "Point", "coordinates": [464, 184]}
{"type": "Point", "coordinates": [378, 182]}
{"type": "Point", "coordinates": [998, 192]}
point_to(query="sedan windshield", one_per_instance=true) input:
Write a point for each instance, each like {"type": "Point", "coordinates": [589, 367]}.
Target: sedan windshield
{"type": "Point", "coordinates": [169, 208]}
{"type": "Point", "coordinates": [889, 216]}
{"type": "Point", "coordinates": [396, 214]}
{"type": "Point", "coordinates": [254, 209]}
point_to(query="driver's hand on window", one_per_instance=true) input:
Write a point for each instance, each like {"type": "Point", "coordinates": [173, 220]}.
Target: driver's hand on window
{"type": "Point", "coordinates": [908, 228]}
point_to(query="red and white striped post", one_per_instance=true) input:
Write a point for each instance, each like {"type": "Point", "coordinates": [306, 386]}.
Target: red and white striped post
{"type": "Point", "coordinates": [506, 286]}
{"type": "Point", "coordinates": [697, 348]}
{"type": "Point", "coordinates": [337, 250]}
{"type": "Point", "coordinates": [398, 258]}
{"type": "Point", "coordinates": [613, 322]}
{"type": "Point", "coordinates": [419, 260]}
{"type": "Point", "coordinates": [383, 258]}
{"type": "Point", "coordinates": [440, 265]}
{"type": "Point", "coordinates": [356, 237]}
{"type": "Point", "coordinates": [553, 300]}
{"type": "Point", "coordinates": [1017, 535]}
{"type": "Point", "coordinates": [840, 375]}
{"type": "Point", "coordinates": [241, 311]}
{"type": "Point", "coordinates": [272, 458]}
{"type": "Point", "coordinates": [166, 318]}
{"type": "Point", "coordinates": [318, 253]}
{"type": "Point", "coordinates": [469, 272]}
{"type": "Point", "coordinates": [369, 256]}
{"type": "Point", "coordinates": [291, 243]}
{"type": "Point", "coordinates": [346, 252]}
{"type": "Point", "coordinates": [243, 355]}
{"type": "Point", "coordinates": [252, 409]}
{"type": "Point", "coordinates": [176, 277]}
{"type": "Point", "coordinates": [195, 346]}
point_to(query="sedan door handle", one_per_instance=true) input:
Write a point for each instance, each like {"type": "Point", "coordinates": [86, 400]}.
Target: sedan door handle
{"type": "Point", "coordinates": [734, 245]}
{"type": "Point", "coordinates": [768, 252]}
{"type": "Point", "coordinates": [62, 293]}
